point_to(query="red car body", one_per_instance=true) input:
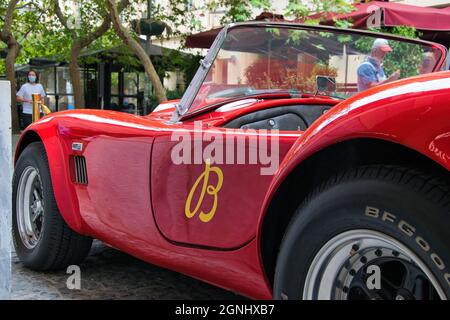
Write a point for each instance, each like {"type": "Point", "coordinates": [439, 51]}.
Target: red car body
{"type": "Point", "coordinates": [135, 197]}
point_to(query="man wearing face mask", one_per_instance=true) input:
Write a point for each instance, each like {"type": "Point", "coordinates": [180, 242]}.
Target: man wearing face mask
{"type": "Point", "coordinates": [371, 72]}
{"type": "Point", "coordinates": [25, 96]}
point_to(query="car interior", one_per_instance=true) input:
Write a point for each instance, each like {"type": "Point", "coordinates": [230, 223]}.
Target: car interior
{"type": "Point", "coordinates": [284, 118]}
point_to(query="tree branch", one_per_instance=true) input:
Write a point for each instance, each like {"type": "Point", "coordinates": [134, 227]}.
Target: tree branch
{"type": "Point", "coordinates": [6, 31]}
{"type": "Point", "coordinates": [62, 18]}
{"type": "Point", "coordinates": [126, 37]}
{"type": "Point", "coordinates": [97, 33]}
{"type": "Point", "coordinates": [25, 35]}
{"type": "Point", "coordinates": [29, 4]}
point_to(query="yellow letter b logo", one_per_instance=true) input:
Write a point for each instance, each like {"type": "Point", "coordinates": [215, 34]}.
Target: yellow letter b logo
{"type": "Point", "coordinates": [203, 181]}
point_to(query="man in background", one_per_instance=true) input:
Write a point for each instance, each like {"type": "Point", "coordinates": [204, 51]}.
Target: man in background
{"type": "Point", "coordinates": [371, 72]}
{"type": "Point", "coordinates": [428, 63]}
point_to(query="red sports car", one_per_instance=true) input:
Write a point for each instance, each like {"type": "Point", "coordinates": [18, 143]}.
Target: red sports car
{"type": "Point", "coordinates": [302, 162]}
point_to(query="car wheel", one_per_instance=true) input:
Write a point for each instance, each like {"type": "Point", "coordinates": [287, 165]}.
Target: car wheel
{"type": "Point", "coordinates": [42, 239]}
{"type": "Point", "coordinates": [376, 232]}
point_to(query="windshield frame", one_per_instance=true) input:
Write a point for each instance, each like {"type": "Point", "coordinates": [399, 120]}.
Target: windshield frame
{"type": "Point", "coordinates": [182, 108]}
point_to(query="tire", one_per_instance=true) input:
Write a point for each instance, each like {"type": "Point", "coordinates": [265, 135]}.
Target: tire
{"type": "Point", "coordinates": [374, 232]}
{"type": "Point", "coordinates": [47, 243]}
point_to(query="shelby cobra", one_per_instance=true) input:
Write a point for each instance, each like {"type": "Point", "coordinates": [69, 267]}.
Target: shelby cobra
{"type": "Point", "coordinates": [295, 166]}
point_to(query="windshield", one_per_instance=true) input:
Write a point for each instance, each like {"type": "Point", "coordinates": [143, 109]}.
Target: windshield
{"type": "Point", "coordinates": [255, 60]}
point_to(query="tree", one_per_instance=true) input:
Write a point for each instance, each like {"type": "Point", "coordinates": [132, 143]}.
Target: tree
{"type": "Point", "coordinates": [238, 10]}
{"type": "Point", "coordinates": [300, 11]}
{"type": "Point", "coordinates": [128, 39]}
{"type": "Point", "coordinates": [7, 37]}
{"type": "Point", "coordinates": [20, 20]}
{"type": "Point", "coordinates": [36, 32]}
{"type": "Point", "coordinates": [82, 36]}
{"type": "Point", "coordinates": [243, 10]}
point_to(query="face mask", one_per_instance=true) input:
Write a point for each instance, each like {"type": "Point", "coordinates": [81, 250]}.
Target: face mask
{"type": "Point", "coordinates": [32, 79]}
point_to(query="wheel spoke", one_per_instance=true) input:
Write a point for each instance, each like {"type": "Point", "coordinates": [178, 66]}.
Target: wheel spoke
{"type": "Point", "coordinates": [415, 282]}
{"type": "Point", "coordinates": [362, 287]}
{"type": "Point", "coordinates": [386, 282]}
{"type": "Point", "coordinates": [37, 197]}
{"type": "Point", "coordinates": [37, 215]}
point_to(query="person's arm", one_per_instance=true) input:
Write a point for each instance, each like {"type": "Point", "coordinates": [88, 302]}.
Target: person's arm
{"type": "Point", "coordinates": [22, 99]}
{"type": "Point", "coordinates": [369, 77]}
{"type": "Point", "coordinates": [20, 94]}
{"type": "Point", "coordinates": [394, 76]}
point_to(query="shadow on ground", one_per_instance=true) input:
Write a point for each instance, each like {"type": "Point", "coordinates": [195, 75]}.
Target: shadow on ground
{"type": "Point", "coordinates": [110, 274]}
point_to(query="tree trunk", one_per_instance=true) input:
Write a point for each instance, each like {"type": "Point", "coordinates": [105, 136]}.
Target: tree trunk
{"type": "Point", "coordinates": [78, 43]}
{"type": "Point", "coordinates": [13, 52]}
{"type": "Point", "coordinates": [7, 37]}
{"type": "Point", "coordinates": [75, 76]}
{"type": "Point", "coordinates": [138, 50]}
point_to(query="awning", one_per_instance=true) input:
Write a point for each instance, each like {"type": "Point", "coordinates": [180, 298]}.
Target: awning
{"type": "Point", "coordinates": [202, 40]}
{"type": "Point", "coordinates": [392, 14]}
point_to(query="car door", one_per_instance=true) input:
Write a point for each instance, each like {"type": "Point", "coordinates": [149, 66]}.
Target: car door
{"type": "Point", "coordinates": [214, 201]}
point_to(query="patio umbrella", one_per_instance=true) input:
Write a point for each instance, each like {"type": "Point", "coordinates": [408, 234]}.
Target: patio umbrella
{"type": "Point", "coordinates": [390, 14]}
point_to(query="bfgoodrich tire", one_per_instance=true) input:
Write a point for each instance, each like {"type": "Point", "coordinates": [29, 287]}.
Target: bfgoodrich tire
{"type": "Point", "coordinates": [42, 239]}
{"type": "Point", "coordinates": [376, 232]}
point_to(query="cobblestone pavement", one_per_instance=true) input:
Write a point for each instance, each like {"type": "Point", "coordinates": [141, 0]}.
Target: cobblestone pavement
{"type": "Point", "coordinates": [110, 274]}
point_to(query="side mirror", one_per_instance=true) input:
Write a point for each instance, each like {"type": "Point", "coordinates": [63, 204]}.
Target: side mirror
{"type": "Point", "coordinates": [325, 84]}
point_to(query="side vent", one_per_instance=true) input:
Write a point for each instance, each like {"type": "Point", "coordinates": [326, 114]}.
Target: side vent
{"type": "Point", "coordinates": [80, 172]}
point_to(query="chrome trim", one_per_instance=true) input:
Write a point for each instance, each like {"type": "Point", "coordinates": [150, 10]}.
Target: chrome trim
{"type": "Point", "coordinates": [199, 77]}
{"type": "Point", "coordinates": [29, 207]}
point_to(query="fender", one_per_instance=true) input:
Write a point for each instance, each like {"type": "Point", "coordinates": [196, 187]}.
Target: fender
{"type": "Point", "coordinates": [57, 131]}
{"type": "Point", "coordinates": [65, 196]}
{"type": "Point", "coordinates": [413, 112]}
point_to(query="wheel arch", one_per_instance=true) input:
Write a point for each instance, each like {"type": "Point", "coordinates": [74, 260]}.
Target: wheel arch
{"type": "Point", "coordinates": [27, 137]}
{"type": "Point", "coordinates": [291, 192]}
{"type": "Point", "coordinates": [58, 163]}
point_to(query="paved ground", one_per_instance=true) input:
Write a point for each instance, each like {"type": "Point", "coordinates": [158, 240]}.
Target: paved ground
{"type": "Point", "coordinates": [110, 274]}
